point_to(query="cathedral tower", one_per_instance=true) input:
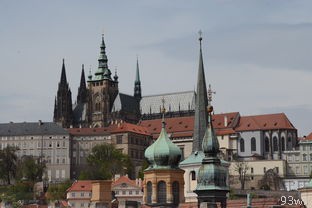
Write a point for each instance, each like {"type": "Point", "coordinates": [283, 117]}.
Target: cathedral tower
{"type": "Point", "coordinates": [63, 113]}
{"type": "Point", "coordinates": [102, 92]}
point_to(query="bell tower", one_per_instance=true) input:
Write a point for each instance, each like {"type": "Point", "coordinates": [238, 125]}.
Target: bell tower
{"type": "Point", "coordinates": [103, 91]}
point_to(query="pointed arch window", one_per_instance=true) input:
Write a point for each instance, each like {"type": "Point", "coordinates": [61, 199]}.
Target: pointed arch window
{"type": "Point", "coordinates": [175, 192]}
{"type": "Point", "coordinates": [283, 143]}
{"type": "Point", "coordinates": [275, 144]}
{"type": "Point", "coordinates": [242, 145]}
{"type": "Point", "coordinates": [253, 144]}
{"type": "Point", "coordinates": [149, 192]}
{"type": "Point", "coordinates": [161, 192]}
{"type": "Point", "coordinates": [266, 144]}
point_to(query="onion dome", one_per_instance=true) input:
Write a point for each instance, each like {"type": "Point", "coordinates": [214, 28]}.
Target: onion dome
{"type": "Point", "coordinates": [163, 153]}
{"type": "Point", "coordinates": [210, 143]}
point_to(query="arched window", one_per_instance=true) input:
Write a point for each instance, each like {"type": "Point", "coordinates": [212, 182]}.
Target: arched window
{"type": "Point", "coordinates": [193, 175]}
{"type": "Point", "coordinates": [253, 144]}
{"type": "Point", "coordinates": [275, 145]}
{"type": "Point", "coordinates": [283, 143]}
{"type": "Point", "coordinates": [266, 144]}
{"type": "Point", "coordinates": [161, 192]}
{"type": "Point", "coordinates": [242, 145]}
{"type": "Point", "coordinates": [175, 192]}
{"type": "Point", "coordinates": [149, 192]}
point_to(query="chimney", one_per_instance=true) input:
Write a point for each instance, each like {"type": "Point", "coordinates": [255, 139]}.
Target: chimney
{"type": "Point", "coordinates": [225, 121]}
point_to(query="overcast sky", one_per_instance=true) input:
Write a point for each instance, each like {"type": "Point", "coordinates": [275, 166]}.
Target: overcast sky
{"type": "Point", "coordinates": [257, 54]}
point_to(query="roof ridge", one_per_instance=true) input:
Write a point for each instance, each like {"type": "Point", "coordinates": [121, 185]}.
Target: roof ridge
{"type": "Point", "coordinates": [169, 93]}
{"type": "Point", "coordinates": [268, 114]}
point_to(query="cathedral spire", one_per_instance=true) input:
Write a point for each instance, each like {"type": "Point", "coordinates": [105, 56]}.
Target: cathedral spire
{"type": "Point", "coordinates": [63, 74]}
{"type": "Point", "coordinates": [137, 83]}
{"type": "Point", "coordinates": [201, 103]}
{"type": "Point", "coordinates": [82, 90]}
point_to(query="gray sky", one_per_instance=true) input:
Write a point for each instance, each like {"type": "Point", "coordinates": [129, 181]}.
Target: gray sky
{"type": "Point", "coordinates": [257, 54]}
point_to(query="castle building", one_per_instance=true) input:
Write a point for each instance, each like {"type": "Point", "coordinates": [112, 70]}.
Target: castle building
{"type": "Point", "coordinates": [45, 141]}
{"type": "Point", "coordinates": [100, 103]}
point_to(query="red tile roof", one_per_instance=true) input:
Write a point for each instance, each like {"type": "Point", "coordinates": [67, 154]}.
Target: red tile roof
{"type": "Point", "coordinates": [128, 127]}
{"type": "Point", "coordinates": [88, 131]}
{"type": "Point", "coordinates": [225, 120]}
{"type": "Point", "coordinates": [184, 126]}
{"type": "Point", "coordinates": [264, 122]}
{"type": "Point", "coordinates": [124, 179]}
{"type": "Point", "coordinates": [309, 137]}
{"type": "Point", "coordinates": [82, 185]}
{"type": "Point", "coordinates": [176, 125]}
{"type": "Point", "coordinates": [113, 128]}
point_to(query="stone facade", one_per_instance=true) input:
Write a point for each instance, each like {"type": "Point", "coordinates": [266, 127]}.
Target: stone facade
{"type": "Point", "coordinates": [131, 139]}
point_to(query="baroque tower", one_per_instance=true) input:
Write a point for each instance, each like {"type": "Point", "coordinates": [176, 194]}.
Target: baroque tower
{"type": "Point", "coordinates": [137, 83]}
{"type": "Point", "coordinates": [163, 179]}
{"type": "Point", "coordinates": [63, 113]}
{"type": "Point", "coordinates": [102, 92]}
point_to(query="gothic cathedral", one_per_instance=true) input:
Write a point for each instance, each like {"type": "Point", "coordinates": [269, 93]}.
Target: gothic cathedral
{"type": "Point", "coordinates": [94, 100]}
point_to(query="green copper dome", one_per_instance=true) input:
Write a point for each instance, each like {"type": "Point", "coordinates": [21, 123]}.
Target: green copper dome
{"type": "Point", "coordinates": [163, 154]}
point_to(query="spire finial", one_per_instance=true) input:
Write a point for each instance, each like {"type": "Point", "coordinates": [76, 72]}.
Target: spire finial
{"type": "Point", "coordinates": [200, 33]}
{"type": "Point", "coordinates": [116, 76]}
{"type": "Point", "coordinates": [163, 111]}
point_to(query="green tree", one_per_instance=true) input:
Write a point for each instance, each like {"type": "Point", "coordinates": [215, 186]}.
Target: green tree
{"type": "Point", "coordinates": [8, 163]}
{"type": "Point", "coordinates": [242, 167]}
{"type": "Point", "coordinates": [58, 191]}
{"type": "Point", "coordinates": [105, 161]}
{"type": "Point", "coordinates": [32, 169]}
{"type": "Point", "coordinates": [144, 166]}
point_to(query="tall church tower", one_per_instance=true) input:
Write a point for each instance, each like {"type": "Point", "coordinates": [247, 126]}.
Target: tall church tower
{"type": "Point", "coordinates": [63, 112]}
{"type": "Point", "coordinates": [201, 103]}
{"type": "Point", "coordinates": [137, 83]}
{"type": "Point", "coordinates": [102, 92]}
